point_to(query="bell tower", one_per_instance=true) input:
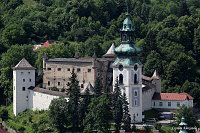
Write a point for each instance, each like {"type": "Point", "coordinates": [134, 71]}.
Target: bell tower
{"type": "Point", "coordinates": [128, 69]}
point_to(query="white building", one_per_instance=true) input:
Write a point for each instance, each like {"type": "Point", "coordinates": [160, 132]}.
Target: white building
{"type": "Point", "coordinates": [171, 101]}
{"type": "Point", "coordinates": [25, 94]}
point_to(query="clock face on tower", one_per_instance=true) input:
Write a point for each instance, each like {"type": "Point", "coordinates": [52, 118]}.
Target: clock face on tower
{"type": "Point", "coordinates": [121, 67]}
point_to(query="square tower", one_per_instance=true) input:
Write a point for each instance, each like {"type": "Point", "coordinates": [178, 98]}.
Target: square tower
{"type": "Point", "coordinates": [23, 78]}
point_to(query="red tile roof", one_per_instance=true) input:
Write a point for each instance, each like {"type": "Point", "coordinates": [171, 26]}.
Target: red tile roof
{"type": "Point", "coordinates": [172, 96]}
{"type": "Point", "coordinates": [46, 44]}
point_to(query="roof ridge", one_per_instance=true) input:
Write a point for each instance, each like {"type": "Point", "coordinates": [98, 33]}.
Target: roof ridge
{"type": "Point", "coordinates": [24, 64]}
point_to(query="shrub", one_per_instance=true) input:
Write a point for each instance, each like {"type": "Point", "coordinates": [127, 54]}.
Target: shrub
{"type": "Point", "coordinates": [147, 129]}
{"type": "Point", "coordinates": [157, 126]}
{"type": "Point", "coordinates": [3, 113]}
{"type": "Point", "coordinates": [54, 89]}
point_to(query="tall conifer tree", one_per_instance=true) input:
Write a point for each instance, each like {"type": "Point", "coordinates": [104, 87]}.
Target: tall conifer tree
{"type": "Point", "coordinates": [126, 116]}
{"type": "Point", "coordinates": [74, 100]}
{"type": "Point", "coordinates": [117, 106]}
{"type": "Point", "coordinates": [97, 87]}
{"type": "Point", "coordinates": [84, 107]}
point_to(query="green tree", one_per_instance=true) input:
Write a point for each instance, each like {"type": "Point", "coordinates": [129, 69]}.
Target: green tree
{"type": "Point", "coordinates": [58, 113]}
{"type": "Point", "coordinates": [187, 113]}
{"type": "Point", "coordinates": [117, 106]}
{"type": "Point", "coordinates": [193, 89]}
{"type": "Point", "coordinates": [3, 113]}
{"type": "Point", "coordinates": [157, 126]}
{"type": "Point", "coordinates": [13, 34]}
{"type": "Point", "coordinates": [97, 87]}
{"type": "Point", "coordinates": [154, 62]}
{"type": "Point", "coordinates": [126, 116]}
{"type": "Point", "coordinates": [84, 107]}
{"type": "Point", "coordinates": [99, 115]}
{"type": "Point", "coordinates": [74, 101]}
{"type": "Point", "coordinates": [196, 43]}
{"type": "Point", "coordinates": [8, 60]}
{"type": "Point", "coordinates": [174, 71]}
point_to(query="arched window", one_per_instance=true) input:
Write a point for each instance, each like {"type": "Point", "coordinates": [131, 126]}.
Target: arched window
{"type": "Point", "coordinates": [125, 26]}
{"type": "Point", "coordinates": [135, 79]}
{"type": "Point", "coordinates": [120, 79]}
{"type": "Point", "coordinates": [135, 93]}
{"type": "Point", "coordinates": [124, 37]}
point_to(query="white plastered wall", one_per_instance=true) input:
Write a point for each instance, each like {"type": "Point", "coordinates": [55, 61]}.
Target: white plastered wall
{"type": "Point", "coordinates": [188, 103]}
{"type": "Point", "coordinates": [22, 78]}
{"type": "Point", "coordinates": [40, 101]}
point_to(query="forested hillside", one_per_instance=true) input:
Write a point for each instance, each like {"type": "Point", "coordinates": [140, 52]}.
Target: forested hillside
{"type": "Point", "coordinates": [168, 31]}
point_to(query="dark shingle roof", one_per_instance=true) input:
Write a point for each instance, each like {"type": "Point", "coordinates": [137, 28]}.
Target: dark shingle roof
{"type": "Point", "coordinates": [23, 65]}
{"type": "Point", "coordinates": [148, 87]}
{"type": "Point", "coordinates": [46, 91]}
{"type": "Point", "coordinates": [87, 60]}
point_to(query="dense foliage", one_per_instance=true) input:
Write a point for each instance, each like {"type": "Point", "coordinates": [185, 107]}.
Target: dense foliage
{"type": "Point", "coordinates": [187, 113]}
{"type": "Point", "coordinates": [166, 30]}
{"type": "Point", "coordinates": [28, 121]}
{"type": "Point", "coordinates": [58, 112]}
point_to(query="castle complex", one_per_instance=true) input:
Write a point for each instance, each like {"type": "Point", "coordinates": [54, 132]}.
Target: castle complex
{"type": "Point", "coordinates": [143, 93]}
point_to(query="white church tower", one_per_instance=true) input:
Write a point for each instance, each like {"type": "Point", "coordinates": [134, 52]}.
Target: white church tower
{"type": "Point", "coordinates": [128, 69]}
{"type": "Point", "coordinates": [23, 78]}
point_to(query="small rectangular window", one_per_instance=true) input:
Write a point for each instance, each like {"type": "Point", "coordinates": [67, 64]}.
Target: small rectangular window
{"type": "Point", "coordinates": [178, 104]}
{"type": "Point", "coordinates": [135, 102]}
{"type": "Point", "coordinates": [68, 69]}
{"type": "Point", "coordinates": [29, 80]}
{"type": "Point", "coordinates": [78, 69]}
{"type": "Point", "coordinates": [23, 88]}
{"type": "Point", "coordinates": [58, 83]}
{"type": "Point", "coordinates": [82, 86]}
{"type": "Point", "coordinates": [59, 69]}
{"type": "Point", "coordinates": [89, 70]}
{"type": "Point", "coordinates": [23, 80]}
{"type": "Point", "coordinates": [160, 104]}
{"type": "Point", "coordinates": [169, 104]}
{"type": "Point", "coordinates": [29, 72]}
{"type": "Point", "coordinates": [49, 69]}
{"type": "Point", "coordinates": [154, 103]}
{"type": "Point", "coordinates": [48, 83]}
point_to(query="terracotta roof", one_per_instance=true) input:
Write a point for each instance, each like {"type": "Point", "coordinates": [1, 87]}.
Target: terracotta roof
{"type": "Point", "coordinates": [46, 44]}
{"type": "Point", "coordinates": [46, 91]}
{"type": "Point", "coordinates": [23, 65]}
{"type": "Point", "coordinates": [172, 96]}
